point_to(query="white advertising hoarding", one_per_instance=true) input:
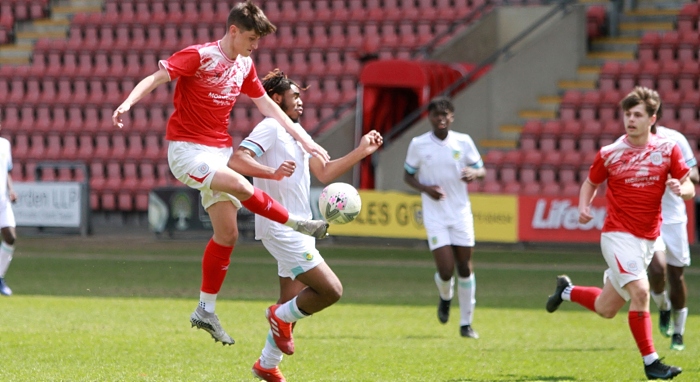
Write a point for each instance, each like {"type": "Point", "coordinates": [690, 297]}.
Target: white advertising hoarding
{"type": "Point", "coordinates": [48, 204]}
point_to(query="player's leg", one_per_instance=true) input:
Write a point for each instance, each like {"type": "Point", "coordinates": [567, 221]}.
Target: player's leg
{"type": "Point", "coordinates": [462, 240]}
{"type": "Point", "coordinates": [657, 282]}
{"type": "Point", "coordinates": [215, 263]}
{"type": "Point", "coordinates": [7, 247]}
{"type": "Point", "coordinates": [678, 257]}
{"type": "Point", "coordinates": [679, 292]}
{"type": "Point", "coordinates": [267, 366]}
{"type": "Point", "coordinates": [441, 248]}
{"type": "Point", "coordinates": [206, 168]}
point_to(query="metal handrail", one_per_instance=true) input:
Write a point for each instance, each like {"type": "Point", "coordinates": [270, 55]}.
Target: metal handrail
{"type": "Point", "coordinates": [562, 6]}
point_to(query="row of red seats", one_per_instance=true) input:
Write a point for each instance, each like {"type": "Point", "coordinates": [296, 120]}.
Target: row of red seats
{"type": "Point", "coordinates": [24, 10]}
{"type": "Point", "coordinates": [327, 90]}
{"type": "Point", "coordinates": [161, 12]}
{"type": "Point", "coordinates": [664, 76]}
{"type": "Point", "coordinates": [528, 188]}
{"type": "Point", "coordinates": [671, 45]}
{"type": "Point", "coordinates": [681, 105]}
{"type": "Point", "coordinates": [38, 146]}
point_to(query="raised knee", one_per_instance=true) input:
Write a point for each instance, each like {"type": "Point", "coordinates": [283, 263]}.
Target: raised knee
{"type": "Point", "coordinates": [607, 314]}
{"type": "Point", "coordinates": [335, 293]}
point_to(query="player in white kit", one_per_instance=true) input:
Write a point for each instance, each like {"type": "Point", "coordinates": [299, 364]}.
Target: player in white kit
{"type": "Point", "coordinates": [210, 77]}
{"type": "Point", "coordinates": [438, 164]}
{"type": "Point", "coordinates": [307, 283]}
{"type": "Point", "coordinates": [638, 169]}
{"type": "Point", "coordinates": [7, 216]}
{"type": "Point", "coordinates": [672, 251]}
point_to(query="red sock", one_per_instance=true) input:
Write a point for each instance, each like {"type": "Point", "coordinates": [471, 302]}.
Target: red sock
{"type": "Point", "coordinates": [640, 325]}
{"type": "Point", "coordinates": [585, 296]}
{"type": "Point", "coordinates": [262, 204]}
{"type": "Point", "coordinates": [214, 266]}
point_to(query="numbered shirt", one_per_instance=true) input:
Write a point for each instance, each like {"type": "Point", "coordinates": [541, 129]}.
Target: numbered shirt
{"type": "Point", "coordinates": [440, 162]}
{"type": "Point", "coordinates": [636, 183]}
{"type": "Point", "coordinates": [673, 206]}
{"type": "Point", "coordinates": [207, 87]}
{"type": "Point", "coordinates": [272, 145]}
{"type": "Point", "coordinates": [5, 167]}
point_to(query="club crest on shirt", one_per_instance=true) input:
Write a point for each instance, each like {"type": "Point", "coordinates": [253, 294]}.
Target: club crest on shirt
{"type": "Point", "coordinates": [456, 154]}
{"type": "Point", "coordinates": [656, 158]}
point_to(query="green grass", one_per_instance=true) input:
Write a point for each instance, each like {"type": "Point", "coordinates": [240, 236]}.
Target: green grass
{"type": "Point", "coordinates": [101, 309]}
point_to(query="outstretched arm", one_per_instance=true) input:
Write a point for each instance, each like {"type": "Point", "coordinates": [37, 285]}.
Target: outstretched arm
{"type": "Point", "coordinates": [269, 108]}
{"type": "Point", "coordinates": [328, 171]}
{"type": "Point", "coordinates": [143, 88]}
{"type": "Point", "coordinates": [243, 163]}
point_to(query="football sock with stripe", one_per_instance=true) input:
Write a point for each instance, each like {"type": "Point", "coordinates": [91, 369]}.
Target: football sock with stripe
{"type": "Point", "coordinates": [466, 292]}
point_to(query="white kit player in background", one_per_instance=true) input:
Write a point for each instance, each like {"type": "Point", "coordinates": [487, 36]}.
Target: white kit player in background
{"type": "Point", "coordinates": [7, 216]}
{"type": "Point", "coordinates": [307, 283]}
{"type": "Point", "coordinates": [672, 251]}
{"type": "Point", "coordinates": [438, 164]}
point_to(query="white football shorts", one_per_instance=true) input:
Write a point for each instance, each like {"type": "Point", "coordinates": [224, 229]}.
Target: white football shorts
{"type": "Point", "coordinates": [459, 233]}
{"type": "Point", "coordinates": [627, 257]}
{"type": "Point", "coordinates": [7, 216]}
{"type": "Point", "coordinates": [195, 165]}
{"type": "Point", "coordinates": [674, 241]}
{"type": "Point", "coordinates": [294, 255]}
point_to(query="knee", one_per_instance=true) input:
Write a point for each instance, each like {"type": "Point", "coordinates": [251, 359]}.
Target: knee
{"type": "Point", "coordinates": [656, 269]}
{"type": "Point", "coordinates": [228, 239]}
{"type": "Point", "coordinates": [334, 293]}
{"type": "Point", "coordinates": [9, 239]}
{"type": "Point", "coordinates": [606, 313]}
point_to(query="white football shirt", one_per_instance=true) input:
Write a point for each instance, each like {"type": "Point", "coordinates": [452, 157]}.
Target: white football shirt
{"type": "Point", "coordinates": [439, 162]}
{"type": "Point", "coordinates": [672, 206]}
{"type": "Point", "coordinates": [272, 145]}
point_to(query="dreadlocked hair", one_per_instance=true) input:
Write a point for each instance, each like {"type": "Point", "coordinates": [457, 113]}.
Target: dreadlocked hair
{"type": "Point", "coordinates": [276, 82]}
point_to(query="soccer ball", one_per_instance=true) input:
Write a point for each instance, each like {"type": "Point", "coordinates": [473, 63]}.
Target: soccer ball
{"type": "Point", "coordinates": [339, 203]}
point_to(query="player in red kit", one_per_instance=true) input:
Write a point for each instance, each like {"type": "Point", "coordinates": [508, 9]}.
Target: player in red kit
{"type": "Point", "coordinates": [210, 78]}
{"type": "Point", "coordinates": [638, 168]}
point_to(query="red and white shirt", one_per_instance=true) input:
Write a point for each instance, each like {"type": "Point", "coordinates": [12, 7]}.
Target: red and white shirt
{"type": "Point", "coordinates": [636, 182]}
{"type": "Point", "coordinates": [206, 91]}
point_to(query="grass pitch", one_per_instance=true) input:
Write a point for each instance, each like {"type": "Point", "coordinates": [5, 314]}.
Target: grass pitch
{"type": "Point", "coordinates": [117, 310]}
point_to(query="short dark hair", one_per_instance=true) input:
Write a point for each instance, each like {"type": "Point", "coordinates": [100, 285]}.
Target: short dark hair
{"type": "Point", "coordinates": [276, 82]}
{"type": "Point", "coordinates": [441, 104]}
{"type": "Point", "coordinates": [642, 95]}
{"type": "Point", "coordinates": [248, 16]}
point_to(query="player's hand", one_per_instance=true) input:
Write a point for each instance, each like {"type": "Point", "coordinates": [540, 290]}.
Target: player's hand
{"type": "Point", "coordinates": [315, 149]}
{"type": "Point", "coordinates": [674, 185]}
{"type": "Point", "coordinates": [371, 142]}
{"type": "Point", "coordinates": [117, 116]}
{"type": "Point", "coordinates": [13, 196]}
{"type": "Point", "coordinates": [286, 169]}
{"type": "Point", "coordinates": [584, 215]}
{"type": "Point", "coordinates": [435, 192]}
{"type": "Point", "coordinates": [468, 174]}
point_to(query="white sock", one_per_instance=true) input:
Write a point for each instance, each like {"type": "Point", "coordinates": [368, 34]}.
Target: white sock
{"type": "Point", "coordinates": [661, 300]}
{"type": "Point", "coordinates": [445, 288]}
{"type": "Point", "coordinates": [271, 355]}
{"type": "Point", "coordinates": [566, 294]}
{"type": "Point", "coordinates": [6, 252]}
{"type": "Point", "coordinates": [466, 292]}
{"type": "Point", "coordinates": [679, 317]}
{"type": "Point", "coordinates": [650, 358]}
{"type": "Point", "coordinates": [289, 311]}
{"type": "Point", "coordinates": [207, 301]}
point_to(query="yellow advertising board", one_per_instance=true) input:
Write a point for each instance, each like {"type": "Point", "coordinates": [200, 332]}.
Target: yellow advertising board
{"type": "Point", "coordinates": [399, 215]}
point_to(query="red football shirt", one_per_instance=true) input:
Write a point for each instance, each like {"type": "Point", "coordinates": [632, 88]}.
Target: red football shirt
{"type": "Point", "coordinates": [207, 87]}
{"type": "Point", "coordinates": [636, 182]}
